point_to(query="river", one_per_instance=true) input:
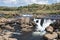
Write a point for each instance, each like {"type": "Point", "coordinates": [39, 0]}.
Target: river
{"type": "Point", "coordinates": [41, 23]}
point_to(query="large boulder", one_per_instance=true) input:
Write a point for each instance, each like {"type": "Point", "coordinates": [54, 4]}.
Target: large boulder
{"type": "Point", "coordinates": [9, 27]}
{"type": "Point", "coordinates": [3, 20]}
{"type": "Point", "coordinates": [26, 24]}
{"type": "Point", "coordinates": [23, 25]}
{"type": "Point", "coordinates": [25, 20]}
{"type": "Point", "coordinates": [12, 39]}
{"type": "Point", "coordinates": [26, 28]}
{"type": "Point", "coordinates": [1, 38]}
{"type": "Point", "coordinates": [58, 34]}
{"type": "Point", "coordinates": [51, 36]}
{"type": "Point", "coordinates": [22, 20]}
{"type": "Point", "coordinates": [6, 37]}
{"type": "Point", "coordinates": [49, 29]}
{"type": "Point", "coordinates": [8, 33]}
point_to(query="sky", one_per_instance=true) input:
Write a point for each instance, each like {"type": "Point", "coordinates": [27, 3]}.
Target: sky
{"type": "Point", "coordinates": [25, 2]}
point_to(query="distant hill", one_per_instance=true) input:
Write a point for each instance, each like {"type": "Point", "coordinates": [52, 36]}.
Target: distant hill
{"type": "Point", "coordinates": [35, 8]}
{"type": "Point", "coordinates": [53, 6]}
{"type": "Point", "coordinates": [5, 8]}
{"type": "Point", "coordinates": [39, 8]}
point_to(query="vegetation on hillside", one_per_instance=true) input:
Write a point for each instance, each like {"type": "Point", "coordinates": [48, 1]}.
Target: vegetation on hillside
{"type": "Point", "coordinates": [34, 8]}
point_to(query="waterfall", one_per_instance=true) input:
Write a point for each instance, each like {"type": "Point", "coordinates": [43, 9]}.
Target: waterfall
{"type": "Point", "coordinates": [42, 23]}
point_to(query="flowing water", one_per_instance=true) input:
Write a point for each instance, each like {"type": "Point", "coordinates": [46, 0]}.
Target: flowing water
{"type": "Point", "coordinates": [42, 24]}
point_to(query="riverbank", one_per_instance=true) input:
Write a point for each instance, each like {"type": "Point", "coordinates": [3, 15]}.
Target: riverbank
{"type": "Point", "coordinates": [36, 12]}
{"type": "Point", "coordinates": [25, 27]}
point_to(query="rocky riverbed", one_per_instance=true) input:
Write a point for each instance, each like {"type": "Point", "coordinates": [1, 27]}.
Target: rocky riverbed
{"type": "Point", "coordinates": [24, 28]}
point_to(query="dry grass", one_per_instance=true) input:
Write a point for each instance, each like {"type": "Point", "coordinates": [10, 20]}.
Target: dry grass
{"type": "Point", "coordinates": [8, 12]}
{"type": "Point", "coordinates": [37, 11]}
{"type": "Point", "coordinates": [48, 11]}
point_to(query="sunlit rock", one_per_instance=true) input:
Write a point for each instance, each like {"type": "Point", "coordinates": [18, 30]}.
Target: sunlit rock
{"type": "Point", "coordinates": [25, 20]}
{"type": "Point", "coordinates": [51, 36]}
{"type": "Point", "coordinates": [9, 27]}
{"type": "Point", "coordinates": [3, 20]}
{"type": "Point", "coordinates": [49, 29]}
{"type": "Point", "coordinates": [1, 38]}
{"type": "Point", "coordinates": [24, 26]}
{"type": "Point", "coordinates": [8, 33]}
{"type": "Point", "coordinates": [12, 39]}
{"type": "Point", "coordinates": [6, 37]}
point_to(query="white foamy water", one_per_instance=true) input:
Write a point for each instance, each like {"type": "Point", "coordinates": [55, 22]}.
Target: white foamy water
{"type": "Point", "coordinates": [42, 24]}
{"type": "Point", "coordinates": [46, 23]}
